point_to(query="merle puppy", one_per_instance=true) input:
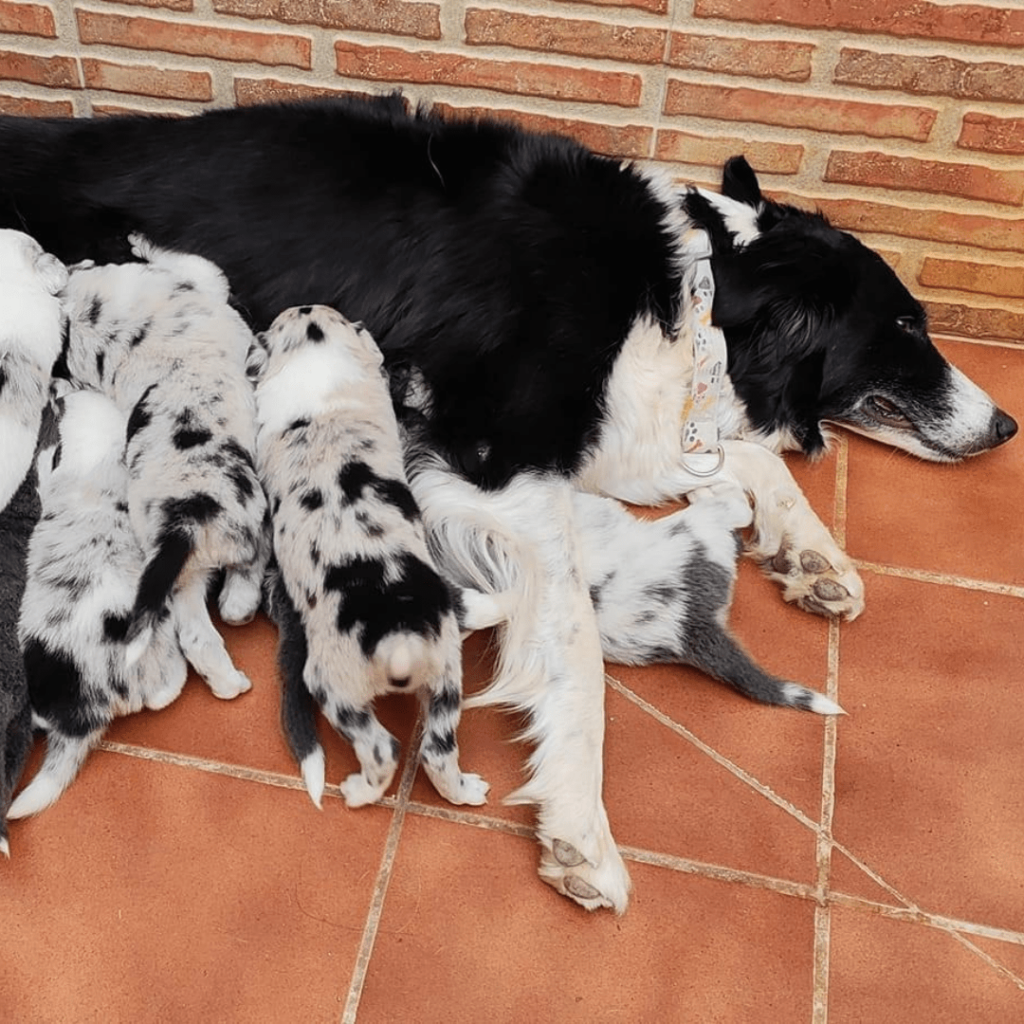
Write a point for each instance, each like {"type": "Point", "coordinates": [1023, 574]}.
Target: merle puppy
{"type": "Point", "coordinates": [362, 609]}
{"type": "Point", "coordinates": [84, 566]}
{"type": "Point", "coordinates": [160, 339]}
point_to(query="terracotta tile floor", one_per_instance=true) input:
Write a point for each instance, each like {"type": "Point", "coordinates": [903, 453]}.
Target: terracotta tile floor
{"type": "Point", "coordinates": [785, 868]}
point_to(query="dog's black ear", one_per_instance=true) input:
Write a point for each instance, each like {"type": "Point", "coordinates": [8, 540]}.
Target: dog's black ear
{"type": "Point", "coordinates": [739, 182]}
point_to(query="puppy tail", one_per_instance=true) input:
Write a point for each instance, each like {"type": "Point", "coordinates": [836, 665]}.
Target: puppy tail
{"type": "Point", "coordinates": [718, 654]}
{"type": "Point", "coordinates": [154, 591]}
{"type": "Point", "coordinates": [64, 758]}
{"type": "Point", "coordinates": [476, 610]}
{"type": "Point", "coordinates": [298, 709]}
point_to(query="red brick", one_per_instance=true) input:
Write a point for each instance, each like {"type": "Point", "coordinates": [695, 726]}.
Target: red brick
{"type": "Point", "coordinates": [655, 6]}
{"type": "Point", "coordinates": [975, 321]}
{"type": "Point", "coordinates": [763, 59]}
{"type": "Point", "coordinates": [940, 76]}
{"type": "Point", "coordinates": [966, 181]}
{"type": "Point", "coordinates": [170, 5]}
{"type": "Point", "coordinates": [630, 140]}
{"type": "Point", "coordinates": [249, 91]}
{"type": "Point", "coordinates": [769, 157]}
{"type": "Point", "coordinates": [29, 106]}
{"type": "Point", "coordinates": [194, 40]}
{"type": "Point", "coordinates": [966, 23]}
{"type": "Point", "coordinates": [799, 111]}
{"type": "Point", "coordinates": [120, 109]}
{"type": "Point", "coordinates": [967, 276]}
{"type": "Point", "coordinates": [56, 72]}
{"type": "Point", "coordinates": [992, 134]}
{"type": "Point", "coordinates": [27, 20]}
{"type": "Point", "coordinates": [554, 81]}
{"type": "Point", "coordinates": [146, 80]}
{"type": "Point", "coordinates": [857, 215]}
{"type": "Point", "coordinates": [392, 17]}
{"type": "Point", "coordinates": [562, 35]}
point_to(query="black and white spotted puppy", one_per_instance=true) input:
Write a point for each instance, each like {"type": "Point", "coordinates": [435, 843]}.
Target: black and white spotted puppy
{"type": "Point", "coordinates": [662, 589]}
{"type": "Point", "coordinates": [361, 608]}
{"type": "Point", "coordinates": [160, 338]}
{"type": "Point", "coordinates": [30, 342]}
{"type": "Point", "coordinates": [84, 566]}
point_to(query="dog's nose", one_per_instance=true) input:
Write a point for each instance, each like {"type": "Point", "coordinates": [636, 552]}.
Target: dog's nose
{"type": "Point", "coordinates": [400, 682]}
{"type": "Point", "coordinates": [1004, 427]}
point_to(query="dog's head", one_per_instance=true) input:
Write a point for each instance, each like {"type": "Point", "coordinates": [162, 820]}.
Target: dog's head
{"type": "Point", "coordinates": [821, 330]}
{"type": "Point", "coordinates": [23, 262]}
{"type": "Point", "coordinates": [317, 327]}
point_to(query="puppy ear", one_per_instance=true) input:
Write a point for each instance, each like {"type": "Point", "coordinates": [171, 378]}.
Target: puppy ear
{"type": "Point", "coordinates": [52, 272]}
{"type": "Point", "coordinates": [257, 358]}
{"type": "Point", "coordinates": [739, 182]}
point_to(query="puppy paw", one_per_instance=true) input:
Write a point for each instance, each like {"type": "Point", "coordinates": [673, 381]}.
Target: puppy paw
{"type": "Point", "coordinates": [824, 585]}
{"type": "Point", "coordinates": [239, 599]}
{"type": "Point", "coordinates": [469, 788]}
{"type": "Point", "coordinates": [358, 791]}
{"type": "Point", "coordinates": [227, 687]}
{"type": "Point", "coordinates": [592, 885]}
{"type": "Point", "coordinates": [142, 247]}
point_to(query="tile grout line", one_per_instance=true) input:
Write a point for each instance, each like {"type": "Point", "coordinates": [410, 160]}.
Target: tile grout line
{"type": "Point", "coordinates": [941, 578]}
{"type": "Point", "coordinates": [671, 862]}
{"type": "Point", "coordinates": [380, 889]}
{"type": "Point", "coordinates": [823, 840]}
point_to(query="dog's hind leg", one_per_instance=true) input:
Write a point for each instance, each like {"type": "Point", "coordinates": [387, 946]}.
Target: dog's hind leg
{"type": "Point", "coordinates": [439, 753]}
{"type": "Point", "coordinates": [202, 644]}
{"type": "Point", "coordinates": [376, 749]}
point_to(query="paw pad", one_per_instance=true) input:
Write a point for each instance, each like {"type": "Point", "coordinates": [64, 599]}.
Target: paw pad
{"type": "Point", "coordinates": [811, 561]}
{"type": "Point", "coordinates": [583, 890]}
{"type": "Point", "coordinates": [830, 590]}
{"type": "Point", "coordinates": [568, 856]}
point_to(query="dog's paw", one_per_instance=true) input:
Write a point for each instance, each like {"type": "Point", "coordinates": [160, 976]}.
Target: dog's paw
{"type": "Point", "coordinates": [358, 791]}
{"type": "Point", "coordinates": [829, 586]}
{"type": "Point", "coordinates": [164, 695]}
{"type": "Point", "coordinates": [239, 599]}
{"type": "Point", "coordinates": [142, 247]}
{"type": "Point", "coordinates": [469, 788]}
{"type": "Point", "coordinates": [604, 883]}
{"type": "Point", "coordinates": [229, 686]}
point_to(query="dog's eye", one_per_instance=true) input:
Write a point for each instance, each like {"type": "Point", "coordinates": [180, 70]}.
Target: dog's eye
{"type": "Point", "coordinates": [886, 411]}
{"type": "Point", "coordinates": [907, 324]}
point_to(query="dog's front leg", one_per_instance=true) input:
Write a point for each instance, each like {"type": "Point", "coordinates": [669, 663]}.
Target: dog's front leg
{"type": "Point", "coordinates": [788, 540]}
{"type": "Point", "coordinates": [551, 668]}
{"type": "Point", "coordinates": [376, 749]}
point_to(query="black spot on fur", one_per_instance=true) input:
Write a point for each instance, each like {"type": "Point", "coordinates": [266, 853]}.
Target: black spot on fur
{"type": "Point", "coordinates": [314, 554]}
{"type": "Point", "coordinates": [58, 453]}
{"type": "Point", "coordinates": [314, 332]}
{"type": "Point", "coordinates": [305, 310]}
{"type": "Point", "coordinates": [351, 719]}
{"type": "Point", "coordinates": [115, 627]}
{"type": "Point", "coordinates": [311, 500]}
{"type": "Point", "coordinates": [197, 508]}
{"type": "Point", "coordinates": [140, 335]}
{"type": "Point", "coordinates": [441, 742]}
{"type": "Point", "coordinates": [95, 308]}
{"type": "Point", "coordinates": [122, 506]}
{"type": "Point", "coordinates": [101, 359]}
{"type": "Point", "coordinates": [297, 424]}
{"type": "Point", "coordinates": [188, 432]}
{"type": "Point", "coordinates": [240, 469]}
{"type": "Point", "coordinates": [140, 417]}
{"type": "Point", "coordinates": [374, 605]}
{"type": "Point", "coordinates": [183, 286]}
{"type": "Point", "coordinates": [277, 504]}
{"type": "Point", "coordinates": [355, 477]}
{"type": "Point", "coordinates": [56, 691]}
{"type": "Point", "coordinates": [445, 702]}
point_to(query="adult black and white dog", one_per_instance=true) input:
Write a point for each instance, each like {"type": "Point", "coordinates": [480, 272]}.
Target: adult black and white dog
{"type": "Point", "coordinates": [534, 303]}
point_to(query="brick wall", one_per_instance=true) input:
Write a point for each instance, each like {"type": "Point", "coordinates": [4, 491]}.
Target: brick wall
{"type": "Point", "coordinates": [902, 119]}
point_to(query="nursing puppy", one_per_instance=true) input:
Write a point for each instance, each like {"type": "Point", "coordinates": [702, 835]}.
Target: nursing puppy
{"type": "Point", "coordinates": [160, 339]}
{"type": "Point", "coordinates": [30, 341]}
{"type": "Point", "coordinates": [361, 608]}
{"type": "Point", "coordinates": [84, 566]}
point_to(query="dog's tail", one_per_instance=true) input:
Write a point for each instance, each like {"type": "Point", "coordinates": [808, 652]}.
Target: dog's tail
{"type": "Point", "coordinates": [298, 709]}
{"type": "Point", "coordinates": [155, 587]}
{"type": "Point", "coordinates": [718, 654]}
{"type": "Point", "coordinates": [64, 758]}
{"type": "Point", "coordinates": [477, 610]}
